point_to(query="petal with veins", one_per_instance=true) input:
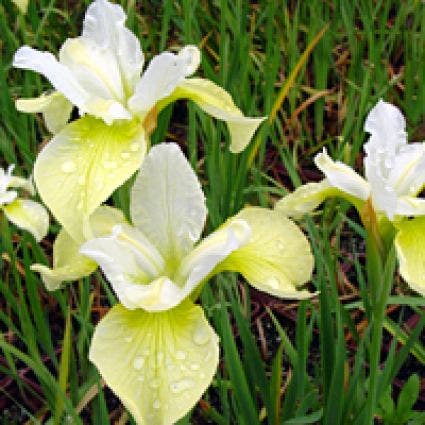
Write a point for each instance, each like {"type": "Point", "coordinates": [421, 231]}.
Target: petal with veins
{"type": "Point", "coordinates": [83, 165]}
{"type": "Point", "coordinates": [55, 107]}
{"type": "Point", "coordinates": [386, 125]}
{"type": "Point", "coordinates": [167, 202]}
{"type": "Point", "coordinates": [104, 24]}
{"type": "Point", "coordinates": [28, 215]}
{"type": "Point", "coordinates": [342, 176]}
{"type": "Point", "coordinates": [217, 102]}
{"type": "Point", "coordinates": [410, 206]}
{"type": "Point", "coordinates": [410, 246]}
{"type": "Point", "coordinates": [277, 259]}
{"type": "Point", "coordinates": [158, 364]}
{"type": "Point", "coordinates": [59, 75]}
{"type": "Point", "coordinates": [164, 73]}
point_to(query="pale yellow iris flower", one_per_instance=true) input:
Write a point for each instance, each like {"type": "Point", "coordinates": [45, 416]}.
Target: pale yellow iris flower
{"type": "Point", "coordinates": [395, 175]}
{"type": "Point", "coordinates": [155, 349]}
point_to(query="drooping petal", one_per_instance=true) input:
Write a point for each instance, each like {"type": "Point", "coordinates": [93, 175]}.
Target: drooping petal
{"type": "Point", "coordinates": [167, 202]}
{"type": "Point", "coordinates": [104, 25]}
{"type": "Point", "coordinates": [386, 125]}
{"type": "Point", "coordinates": [215, 101]}
{"type": "Point", "coordinates": [59, 75]}
{"type": "Point", "coordinates": [407, 175]}
{"type": "Point", "coordinates": [28, 215]}
{"type": "Point", "coordinates": [306, 198]}
{"type": "Point", "coordinates": [164, 73]}
{"type": "Point", "coordinates": [198, 265]}
{"type": "Point", "coordinates": [277, 259]}
{"type": "Point", "coordinates": [55, 107]}
{"type": "Point", "coordinates": [83, 165]}
{"type": "Point", "coordinates": [410, 246]}
{"type": "Point", "coordinates": [68, 263]}
{"type": "Point", "coordinates": [342, 176]}
{"type": "Point", "coordinates": [158, 364]}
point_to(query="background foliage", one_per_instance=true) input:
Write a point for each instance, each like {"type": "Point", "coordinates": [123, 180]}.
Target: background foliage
{"type": "Point", "coordinates": [315, 68]}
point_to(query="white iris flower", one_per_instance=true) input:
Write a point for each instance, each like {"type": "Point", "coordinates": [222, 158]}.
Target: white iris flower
{"type": "Point", "coordinates": [24, 213]}
{"type": "Point", "coordinates": [155, 349]}
{"type": "Point", "coordinates": [395, 175]}
{"type": "Point", "coordinates": [100, 72]}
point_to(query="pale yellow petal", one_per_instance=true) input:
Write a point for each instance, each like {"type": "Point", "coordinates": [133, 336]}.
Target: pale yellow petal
{"type": "Point", "coordinates": [81, 167]}
{"type": "Point", "coordinates": [22, 5]}
{"type": "Point", "coordinates": [215, 101]}
{"type": "Point", "coordinates": [55, 107]}
{"type": "Point", "coordinates": [410, 246]}
{"type": "Point", "coordinates": [28, 215]}
{"type": "Point", "coordinates": [68, 263]}
{"type": "Point", "coordinates": [277, 259]}
{"type": "Point", "coordinates": [158, 364]}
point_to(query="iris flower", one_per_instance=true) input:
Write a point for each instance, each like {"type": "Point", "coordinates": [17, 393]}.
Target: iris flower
{"type": "Point", "coordinates": [100, 72]}
{"type": "Point", "coordinates": [155, 349]}
{"type": "Point", "coordinates": [395, 175]}
{"type": "Point", "coordinates": [24, 213]}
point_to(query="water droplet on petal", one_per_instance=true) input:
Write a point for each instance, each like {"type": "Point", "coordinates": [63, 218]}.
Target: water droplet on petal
{"type": "Point", "coordinates": [141, 378]}
{"type": "Point", "coordinates": [138, 362]}
{"type": "Point", "coordinates": [201, 336]}
{"type": "Point", "coordinates": [194, 366]}
{"type": "Point", "coordinates": [154, 383]}
{"type": "Point", "coordinates": [272, 282]}
{"type": "Point", "coordinates": [156, 404]}
{"type": "Point", "coordinates": [69, 167]}
{"type": "Point", "coordinates": [109, 165]}
{"type": "Point", "coordinates": [81, 180]}
{"type": "Point", "coordinates": [180, 355]}
{"type": "Point", "coordinates": [128, 339]}
{"type": "Point", "coordinates": [125, 155]}
{"type": "Point", "coordinates": [179, 386]}
{"type": "Point", "coordinates": [280, 245]}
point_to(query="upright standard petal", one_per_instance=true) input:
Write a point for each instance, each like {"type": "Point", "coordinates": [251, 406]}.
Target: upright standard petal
{"type": "Point", "coordinates": [410, 246]}
{"type": "Point", "coordinates": [167, 202]}
{"type": "Point", "coordinates": [28, 215]}
{"type": "Point", "coordinates": [277, 259]}
{"type": "Point", "coordinates": [158, 364]}
{"type": "Point", "coordinates": [342, 176]}
{"type": "Point", "coordinates": [164, 73]}
{"type": "Point", "coordinates": [83, 165]}
{"type": "Point", "coordinates": [104, 24]}
{"type": "Point", "coordinates": [386, 125]}
{"type": "Point", "coordinates": [215, 101]}
{"type": "Point", "coordinates": [55, 107]}
{"type": "Point", "coordinates": [59, 75]}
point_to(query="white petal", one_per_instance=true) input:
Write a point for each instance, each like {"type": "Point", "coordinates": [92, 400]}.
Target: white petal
{"type": "Point", "coordinates": [198, 265]}
{"type": "Point", "coordinates": [134, 266]}
{"type": "Point", "coordinates": [342, 176]}
{"type": "Point", "coordinates": [59, 75]}
{"type": "Point", "coordinates": [407, 176]}
{"type": "Point", "coordinates": [164, 73]}
{"type": "Point", "coordinates": [386, 125]}
{"type": "Point", "coordinates": [410, 206]}
{"type": "Point", "coordinates": [104, 24]}
{"type": "Point", "coordinates": [167, 202]}
{"type": "Point", "coordinates": [8, 197]}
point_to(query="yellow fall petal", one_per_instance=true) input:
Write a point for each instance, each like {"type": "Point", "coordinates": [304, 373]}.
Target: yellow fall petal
{"type": "Point", "coordinates": [159, 364]}
{"type": "Point", "coordinates": [215, 101]}
{"type": "Point", "coordinates": [55, 107]}
{"type": "Point", "coordinates": [410, 247]}
{"type": "Point", "coordinates": [28, 215]}
{"type": "Point", "coordinates": [68, 263]}
{"type": "Point", "coordinates": [83, 164]}
{"type": "Point", "coordinates": [277, 259]}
